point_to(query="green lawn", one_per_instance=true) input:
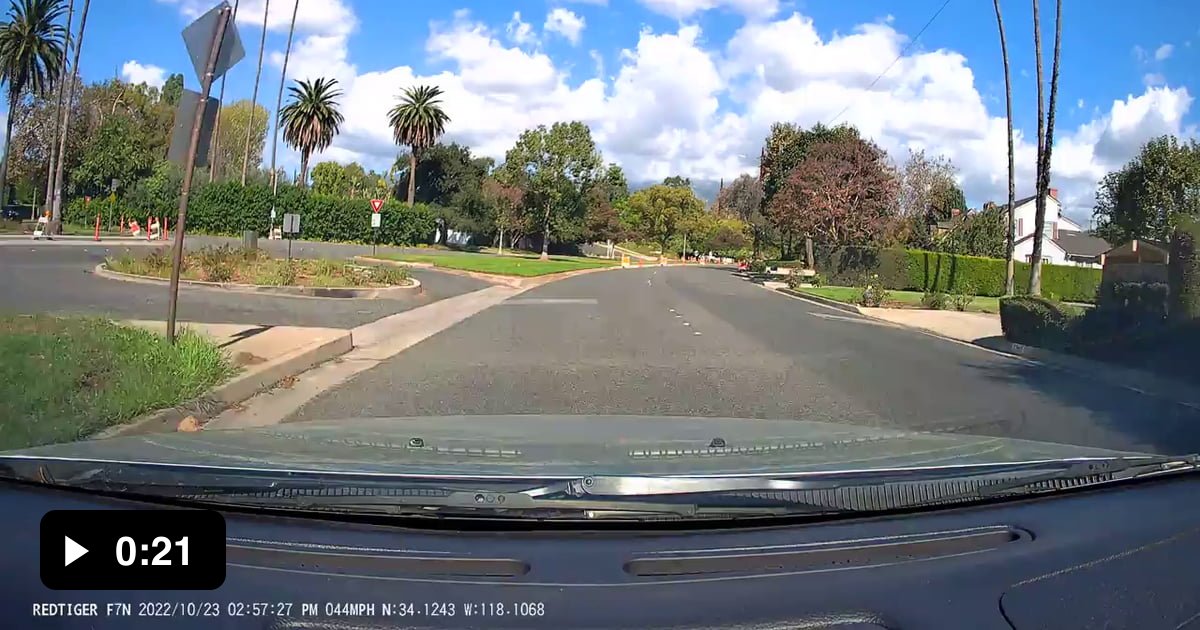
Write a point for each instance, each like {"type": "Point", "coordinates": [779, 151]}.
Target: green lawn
{"type": "Point", "coordinates": [62, 379]}
{"type": "Point", "coordinates": [902, 299]}
{"type": "Point", "coordinates": [507, 265]}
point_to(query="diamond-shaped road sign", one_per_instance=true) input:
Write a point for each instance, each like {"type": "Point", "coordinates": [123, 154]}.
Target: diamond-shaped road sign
{"type": "Point", "coordinates": [376, 205]}
{"type": "Point", "coordinates": [198, 37]}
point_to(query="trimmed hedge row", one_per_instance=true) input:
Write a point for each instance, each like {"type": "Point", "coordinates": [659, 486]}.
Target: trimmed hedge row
{"type": "Point", "coordinates": [1183, 272]}
{"type": "Point", "coordinates": [228, 208]}
{"type": "Point", "coordinates": [937, 272]}
{"type": "Point", "coordinates": [1035, 321]}
{"type": "Point", "coordinates": [1126, 311]}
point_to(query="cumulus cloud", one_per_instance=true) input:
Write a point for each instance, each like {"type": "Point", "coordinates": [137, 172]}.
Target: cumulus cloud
{"type": "Point", "coordinates": [151, 75]}
{"type": "Point", "coordinates": [566, 23]}
{"type": "Point", "coordinates": [676, 103]}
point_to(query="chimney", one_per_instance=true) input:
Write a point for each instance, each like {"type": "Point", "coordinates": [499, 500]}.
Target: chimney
{"type": "Point", "coordinates": [1054, 193]}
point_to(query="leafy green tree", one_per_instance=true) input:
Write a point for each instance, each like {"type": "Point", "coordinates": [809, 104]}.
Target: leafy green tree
{"type": "Point", "coordinates": [981, 233]}
{"type": "Point", "coordinates": [158, 193]}
{"type": "Point", "coordinates": [311, 119]}
{"type": "Point", "coordinates": [787, 145]}
{"type": "Point", "coordinates": [657, 212]}
{"type": "Point", "coordinates": [330, 178]}
{"type": "Point", "coordinates": [417, 121]}
{"type": "Point", "coordinates": [678, 181]}
{"type": "Point", "coordinates": [743, 198]}
{"type": "Point", "coordinates": [172, 90]}
{"type": "Point", "coordinates": [554, 167]}
{"type": "Point", "coordinates": [447, 174]}
{"type": "Point", "coordinates": [615, 183]}
{"type": "Point", "coordinates": [118, 151]}
{"type": "Point", "coordinates": [236, 120]}
{"type": "Point", "coordinates": [31, 59]}
{"type": "Point", "coordinates": [1145, 197]}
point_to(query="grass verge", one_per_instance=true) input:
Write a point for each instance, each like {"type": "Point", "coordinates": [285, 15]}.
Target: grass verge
{"type": "Point", "coordinates": [507, 265]}
{"type": "Point", "coordinates": [230, 264]}
{"type": "Point", "coordinates": [63, 379]}
{"type": "Point", "coordinates": [897, 299]}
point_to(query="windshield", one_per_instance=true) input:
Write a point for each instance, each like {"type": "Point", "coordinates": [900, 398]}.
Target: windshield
{"type": "Point", "coordinates": [638, 258]}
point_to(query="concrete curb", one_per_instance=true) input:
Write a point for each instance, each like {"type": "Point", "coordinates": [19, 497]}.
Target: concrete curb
{"type": "Point", "coordinates": [1130, 378]}
{"type": "Point", "coordinates": [241, 387]}
{"type": "Point", "coordinates": [849, 308]}
{"type": "Point", "coordinates": [288, 291]}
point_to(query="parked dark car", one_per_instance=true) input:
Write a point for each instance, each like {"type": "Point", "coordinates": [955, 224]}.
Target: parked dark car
{"type": "Point", "coordinates": [14, 213]}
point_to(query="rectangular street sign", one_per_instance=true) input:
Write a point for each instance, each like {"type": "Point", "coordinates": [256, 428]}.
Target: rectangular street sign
{"type": "Point", "coordinates": [198, 37]}
{"type": "Point", "coordinates": [291, 223]}
{"type": "Point", "coordinates": [376, 219]}
{"type": "Point", "coordinates": [181, 132]}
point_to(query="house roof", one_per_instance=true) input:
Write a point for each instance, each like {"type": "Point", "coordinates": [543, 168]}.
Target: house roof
{"type": "Point", "coordinates": [1159, 245]}
{"type": "Point", "coordinates": [1080, 244]}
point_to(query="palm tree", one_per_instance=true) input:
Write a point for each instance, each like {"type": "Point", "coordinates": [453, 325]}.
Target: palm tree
{"type": "Point", "coordinates": [1045, 138]}
{"type": "Point", "coordinates": [1012, 183]}
{"type": "Point", "coordinates": [65, 123]}
{"type": "Point", "coordinates": [417, 120]}
{"type": "Point", "coordinates": [58, 105]}
{"type": "Point", "coordinates": [310, 120]}
{"type": "Point", "coordinates": [254, 98]}
{"type": "Point", "coordinates": [31, 59]}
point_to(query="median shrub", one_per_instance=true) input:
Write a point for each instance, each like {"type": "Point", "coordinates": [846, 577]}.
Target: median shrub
{"type": "Point", "coordinates": [1035, 321]}
{"type": "Point", "coordinates": [934, 300]}
{"type": "Point", "coordinates": [961, 299]}
{"type": "Point", "coordinates": [873, 294]}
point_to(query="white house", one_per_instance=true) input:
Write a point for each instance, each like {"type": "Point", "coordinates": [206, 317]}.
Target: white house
{"type": "Point", "coordinates": [1064, 241]}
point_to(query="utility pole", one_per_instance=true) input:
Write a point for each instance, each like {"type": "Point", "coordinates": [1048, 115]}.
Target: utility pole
{"type": "Point", "coordinates": [215, 149]}
{"type": "Point", "coordinates": [56, 206]}
{"type": "Point", "coordinates": [275, 135]}
{"type": "Point", "coordinates": [254, 97]}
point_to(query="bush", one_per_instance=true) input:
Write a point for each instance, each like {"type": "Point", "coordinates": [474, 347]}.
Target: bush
{"type": "Point", "coordinates": [217, 264]}
{"type": "Point", "coordinates": [817, 280]}
{"type": "Point", "coordinates": [758, 266]}
{"type": "Point", "coordinates": [961, 300]}
{"type": "Point", "coordinates": [1035, 321]}
{"type": "Point", "coordinates": [873, 293]}
{"type": "Point", "coordinates": [390, 275]}
{"type": "Point", "coordinates": [1183, 271]}
{"type": "Point", "coordinates": [934, 301]}
{"type": "Point", "coordinates": [280, 273]}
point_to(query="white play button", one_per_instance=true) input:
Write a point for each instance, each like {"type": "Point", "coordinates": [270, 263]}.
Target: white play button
{"type": "Point", "coordinates": [72, 551]}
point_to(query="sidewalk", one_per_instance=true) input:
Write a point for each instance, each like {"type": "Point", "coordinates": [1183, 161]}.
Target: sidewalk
{"type": "Point", "coordinates": [265, 355]}
{"type": "Point", "coordinates": [969, 327]}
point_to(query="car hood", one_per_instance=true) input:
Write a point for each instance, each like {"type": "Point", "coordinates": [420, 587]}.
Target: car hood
{"type": "Point", "coordinates": [567, 446]}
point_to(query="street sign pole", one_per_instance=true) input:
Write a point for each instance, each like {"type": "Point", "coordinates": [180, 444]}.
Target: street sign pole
{"type": "Point", "coordinates": [205, 83]}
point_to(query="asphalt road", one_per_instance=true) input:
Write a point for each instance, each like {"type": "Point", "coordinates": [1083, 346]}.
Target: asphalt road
{"type": "Point", "coordinates": [53, 277]}
{"type": "Point", "coordinates": [703, 342]}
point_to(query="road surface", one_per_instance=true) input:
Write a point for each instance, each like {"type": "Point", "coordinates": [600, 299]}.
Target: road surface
{"type": "Point", "coordinates": [57, 278]}
{"type": "Point", "coordinates": [704, 342]}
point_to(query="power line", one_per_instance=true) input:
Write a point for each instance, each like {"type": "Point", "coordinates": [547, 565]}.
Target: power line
{"type": "Point", "coordinates": [896, 60]}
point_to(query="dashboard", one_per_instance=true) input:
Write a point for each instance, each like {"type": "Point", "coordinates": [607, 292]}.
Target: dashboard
{"type": "Point", "coordinates": [1117, 557]}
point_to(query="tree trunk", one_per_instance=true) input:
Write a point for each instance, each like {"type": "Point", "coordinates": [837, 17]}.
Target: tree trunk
{"type": "Point", "coordinates": [1049, 143]}
{"type": "Point", "coordinates": [56, 208]}
{"type": "Point", "coordinates": [214, 148]}
{"type": "Point", "coordinates": [254, 95]}
{"type": "Point", "coordinates": [12, 107]}
{"type": "Point", "coordinates": [302, 180]}
{"type": "Point", "coordinates": [66, 75]}
{"type": "Point", "coordinates": [546, 234]}
{"type": "Point", "coordinates": [1039, 219]}
{"type": "Point", "coordinates": [1010, 270]}
{"type": "Point", "coordinates": [412, 176]}
{"type": "Point", "coordinates": [501, 240]}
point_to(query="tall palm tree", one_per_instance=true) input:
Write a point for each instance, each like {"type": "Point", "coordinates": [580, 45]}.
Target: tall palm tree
{"type": "Point", "coordinates": [417, 120]}
{"type": "Point", "coordinates": [287, 54]}
{"type": "Point", "coordinates": [254, 98]}
{"type": "Point", "coordinates": [311, 119]}
{"type": "Point", "coordinates": [1045, 139]}
{"type": "Point", "coordinates": [65, 123]}
{"type": "Point", "coordinates": [1012, 183]}
{"type": "Point", "coordinates": [214, 163]}
{"type": "Point", "coordinates": [31, 59]}
{"type": "Point", "coordinates": [58, 105]}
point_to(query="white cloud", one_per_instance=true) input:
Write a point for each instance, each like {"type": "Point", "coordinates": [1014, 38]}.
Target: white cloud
{"type": "Point", "coordinates": [683, 9]}
{"type": "Point", "coordinates": [520, 32]}
{"type": "Point", "coordinates": [566, 23]}
{"type": "Point", "coordinates": [1153, 79]}
{"type": "Point", "coordinates": [595, 2]}
{"type": "Point", "coordinates": [1162, 52]}
{"type": "Point", "coordinates": [151, 75]}
{"type": "Point", "coordinates": [675, 103]}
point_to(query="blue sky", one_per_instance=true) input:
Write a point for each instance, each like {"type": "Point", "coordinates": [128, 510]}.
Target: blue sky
{"type": "Point", "coordinates": [691, 86]}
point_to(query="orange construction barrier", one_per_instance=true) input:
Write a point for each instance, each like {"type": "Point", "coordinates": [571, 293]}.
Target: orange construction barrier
{"type": "Point", "coordinates": [154, 230]}
{"type": "Point", "coordinates": [134, 228]}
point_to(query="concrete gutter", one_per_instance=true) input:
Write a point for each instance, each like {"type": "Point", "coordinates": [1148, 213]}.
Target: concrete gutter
{"type": "Point", "coordinates": [266, 356]}
{"type": "Point", "coordinates": [286, 291]}
{"type": "Point", "coordinates": [849, 308]}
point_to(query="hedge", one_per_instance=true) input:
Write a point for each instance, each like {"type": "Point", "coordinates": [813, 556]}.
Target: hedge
{"type": "Point", "coordinates": [1183, 271]}
{"type": "Point", "coordinates": [918, 270]}
{"type": "Point", "coordinates": [228, 208]}
{"type": "Point", "coordinates": [1035, 321]}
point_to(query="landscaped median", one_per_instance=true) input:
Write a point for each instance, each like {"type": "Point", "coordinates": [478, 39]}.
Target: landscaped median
{"type": "Point", "coordinates": [66, 378]}
{"type": "Point", "coordinates": [253, 269]}
{"type": "Point", "coordinates": [520, 265]}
